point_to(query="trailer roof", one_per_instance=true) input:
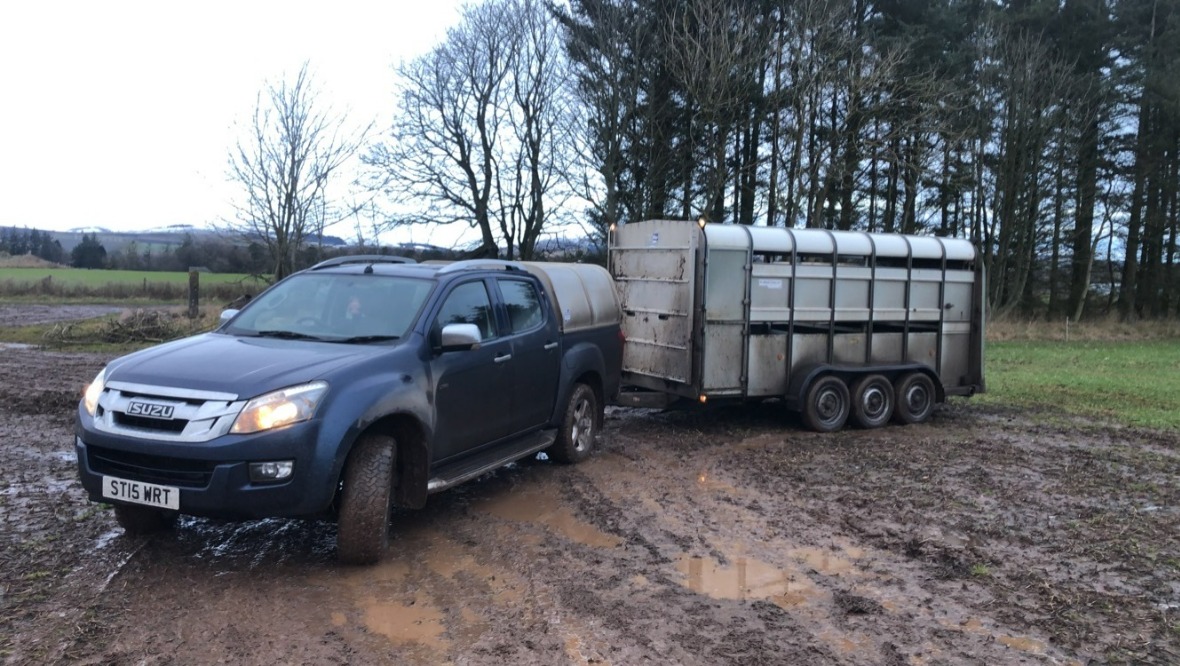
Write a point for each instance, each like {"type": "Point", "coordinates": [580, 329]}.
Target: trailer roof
{"type": "Point", "coordinates": [823, 241]}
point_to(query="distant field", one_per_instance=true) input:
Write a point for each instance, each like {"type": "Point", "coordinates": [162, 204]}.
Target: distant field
{"type": "Point", "coordinates": [1132, 382]}
{"type": "Point", "coordinates": [80, 276]}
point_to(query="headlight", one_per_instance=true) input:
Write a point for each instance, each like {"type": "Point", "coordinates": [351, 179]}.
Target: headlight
{"type": "Point", "coordinates": [90, 398]}
{"type": "Point", "coordinates": [280, 408]}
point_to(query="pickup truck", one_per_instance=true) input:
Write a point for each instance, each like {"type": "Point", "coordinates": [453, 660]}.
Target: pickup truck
{"type": "Point", "coordinates": [360, 384]}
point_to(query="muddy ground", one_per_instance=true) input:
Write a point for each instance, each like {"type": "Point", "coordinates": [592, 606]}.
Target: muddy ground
{"type": "Point", "coordinates": [725, 537]}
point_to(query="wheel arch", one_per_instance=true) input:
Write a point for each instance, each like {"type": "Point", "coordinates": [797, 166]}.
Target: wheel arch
{"type": "Point", "coordinates": [584, 364]}
{"type": "Point", "coordinates": [412, 459]}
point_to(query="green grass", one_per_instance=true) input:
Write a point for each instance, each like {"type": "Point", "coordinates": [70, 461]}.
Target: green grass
{"type": "Point", "coordinates": [80, 276]}
{"type": "Point", "coordinates": [1135, 383]}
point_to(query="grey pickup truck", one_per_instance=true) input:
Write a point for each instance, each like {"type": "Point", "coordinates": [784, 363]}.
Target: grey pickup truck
{"type": "Point", "coordinates": [360, 384]}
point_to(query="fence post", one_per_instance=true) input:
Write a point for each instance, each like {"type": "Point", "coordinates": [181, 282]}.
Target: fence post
{"type": "Point", "coordinates": [194, 284]}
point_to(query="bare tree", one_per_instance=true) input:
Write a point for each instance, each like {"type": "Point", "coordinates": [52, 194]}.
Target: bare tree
{"type": "Point", "coordinates": [1026, 84]}
{"type": "Point", "coordinates": [481, 137]}
{"type": "Point", "coordinates": [716, 47]}
{"type": "Point", "coordinates": [294, 149]}
{"type": "Point", "coordinates": [606, 39]}
{"type": "Point", "coordinates": [542, 120]}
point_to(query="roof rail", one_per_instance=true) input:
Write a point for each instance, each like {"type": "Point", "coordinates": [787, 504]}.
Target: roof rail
{"type": "Point", "coordinates": [363, 259]}
{"type": "Point", "coordinates": [484, 264]}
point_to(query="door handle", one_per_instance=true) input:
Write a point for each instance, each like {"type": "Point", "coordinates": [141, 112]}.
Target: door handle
{"type": "Point", "coordinates": [551, 346]}
{"type": "Point", "coordinates": [505, 357]}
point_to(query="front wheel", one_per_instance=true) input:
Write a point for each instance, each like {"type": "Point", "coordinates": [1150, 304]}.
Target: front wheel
{"type": "Point", "coordinates": [826, 406]}
{"type": "Point", "coordinates": [872, 401]}
{"type": "Point", "coordinates": [363, 525]}
{"type": "Point", "coordinates": [140, 520]}
{"type": "Point", "coordinates": [579, 426]}
{"type": "Point", "coordinates": [915, 396]}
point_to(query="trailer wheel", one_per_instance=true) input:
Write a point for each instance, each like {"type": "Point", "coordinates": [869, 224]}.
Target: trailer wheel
{"type": "Point", "coordinates": [872, 401]}
{"type": "Point", "coordinates": [363, 525]}
{"type": "Point", "coordinates": [575, 439]}
{"type": "Point", "coordinates": [914, 395]}
{"type": "Point", "coordinates": [827, 405]}
{"type": "Point", "coordinates": [140, 520]}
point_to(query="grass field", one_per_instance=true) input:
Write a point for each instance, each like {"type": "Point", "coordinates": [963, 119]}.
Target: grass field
{"type": "Point", "coordinates": [75, 285]}
{"type": "Point", "coordinates": [1136, 383]}
{"type": "Point", "coordinates": [81, 276]}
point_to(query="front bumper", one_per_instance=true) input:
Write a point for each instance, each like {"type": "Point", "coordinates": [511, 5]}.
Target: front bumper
{"type": "Point", "coordinates": [213, 477]}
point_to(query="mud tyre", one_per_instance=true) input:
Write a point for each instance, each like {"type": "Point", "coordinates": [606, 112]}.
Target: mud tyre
{"type": "Point", "coordinates": [366, 500]}
{"type": "Point", "coordinates": [827, 404]}
{"type": "Point", "coordinates": [914, 398]}
{"type": "Point", "coordinates": [872, 401]}
{"type": "Point", "coordinates": [579, 427]}
{"type": "Point", "coordinates": [143, 520]}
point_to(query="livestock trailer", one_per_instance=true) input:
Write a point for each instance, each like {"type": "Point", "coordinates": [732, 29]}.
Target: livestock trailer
{"type": "Point", "coordinates": [838, 324]}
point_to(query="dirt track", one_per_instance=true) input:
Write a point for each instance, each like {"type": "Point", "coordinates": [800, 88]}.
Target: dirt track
{"type": "Point", "coordinates": [726, 537]}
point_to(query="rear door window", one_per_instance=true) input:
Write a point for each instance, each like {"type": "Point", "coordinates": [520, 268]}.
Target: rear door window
{"type": "Point", "coordinates": [523, 303]}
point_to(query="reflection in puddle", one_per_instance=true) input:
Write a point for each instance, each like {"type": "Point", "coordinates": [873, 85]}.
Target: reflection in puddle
{"type": "Point", "coordinates": [793, 590]}
{"type": "Point", "coordinates": [759, 442]}
{"type": "Point", "coordinates": [749, 578]}
{"type": "Point", "coordinates": [390, 607]}
{"type": "Point", "coordinates": [746, 579]}
{"type": "Point", "coordinates": [846, 644]}
{"type": "Point", "coordinates": [825, 561]}
{"type": "Point", "coordinates": [450, 560]}
{"type": "Point", "coordinates": [403, 599]}
{"type": "Point", "coordinates": [707, 482]}
{"type": "Point", "coordinates": [416, 622]}
{"type": "Point", "coordinates": [543, 506]}
{"type": "Point", "coordinates": [1022, 643]}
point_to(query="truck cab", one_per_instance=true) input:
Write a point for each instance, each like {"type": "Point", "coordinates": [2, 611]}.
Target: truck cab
{"type": "Point", "coordinates": [354, 386]}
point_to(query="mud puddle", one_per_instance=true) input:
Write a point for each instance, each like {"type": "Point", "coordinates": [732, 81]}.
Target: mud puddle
{"type": "Point", "coordinates": [729, 537]}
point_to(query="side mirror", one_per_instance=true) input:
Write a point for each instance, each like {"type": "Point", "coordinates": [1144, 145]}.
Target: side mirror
{"type": "Point", "coordinates": [457, 337]}
{"type": "Point", "coordinates": [226, 315]}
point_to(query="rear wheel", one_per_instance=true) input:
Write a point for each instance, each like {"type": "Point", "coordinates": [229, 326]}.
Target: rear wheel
{"type": "Point", "coordinates": [915, 396]}
{"type": "Point", "coordinates": [826, 406]}
{"type": "Point", "coordinates": [872, 401]}
{"type": "Point", "coordinates": [363, 525]}
{"type": "Point", "coordinates": [137, 520]}
{"type": "Point", "coordinates": [579, 426]}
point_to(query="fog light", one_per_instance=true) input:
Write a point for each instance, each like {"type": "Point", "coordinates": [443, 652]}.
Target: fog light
{"type": "Point", "coordinates": [275, 470]}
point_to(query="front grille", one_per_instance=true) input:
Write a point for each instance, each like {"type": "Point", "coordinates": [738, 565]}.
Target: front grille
{"type": "Point", "coordinates": [196, 416]}
{"type": "Point", "coordinates": [161, 470]}
{"type": "Point", "coordinates": [155, 425]}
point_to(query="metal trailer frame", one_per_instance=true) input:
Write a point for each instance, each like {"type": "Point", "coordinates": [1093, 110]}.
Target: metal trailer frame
{"type": "Point", "coordinates": [714, 311]}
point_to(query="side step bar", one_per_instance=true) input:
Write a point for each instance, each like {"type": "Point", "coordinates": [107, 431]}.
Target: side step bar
{"type": "Point", "coordinates": [457, 472]}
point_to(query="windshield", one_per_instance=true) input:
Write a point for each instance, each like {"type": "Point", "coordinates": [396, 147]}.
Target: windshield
{"type": "Point", "coordinates": [335, 308]}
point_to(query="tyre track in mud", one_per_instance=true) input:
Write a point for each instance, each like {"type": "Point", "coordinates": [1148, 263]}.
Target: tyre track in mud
{"type": "Point", "coordinates": [730, 536]}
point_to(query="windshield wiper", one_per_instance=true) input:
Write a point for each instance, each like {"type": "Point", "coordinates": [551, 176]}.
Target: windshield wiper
{"type": "Point", "coordinates": [366, 338]}
{"type": "Point", "coordinates": [287, 335]}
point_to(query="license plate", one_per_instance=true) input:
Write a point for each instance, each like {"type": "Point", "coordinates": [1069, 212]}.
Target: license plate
{"type": "Point", "coordinates": [152, 410]}
{"type": "Point", "coordinates": [148, 494]}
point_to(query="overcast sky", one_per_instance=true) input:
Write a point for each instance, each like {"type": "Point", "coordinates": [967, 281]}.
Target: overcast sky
{"type": "Point", "coordinates": [121, 114]}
